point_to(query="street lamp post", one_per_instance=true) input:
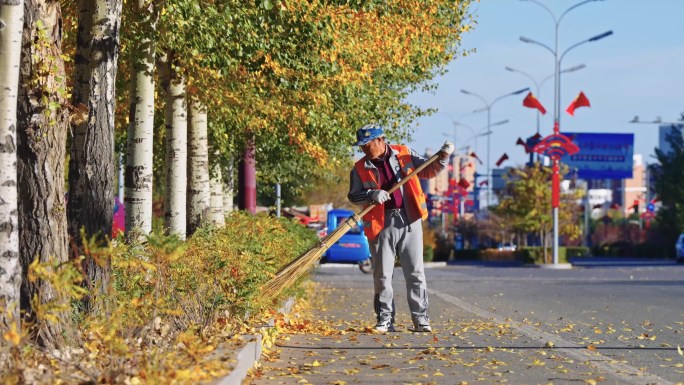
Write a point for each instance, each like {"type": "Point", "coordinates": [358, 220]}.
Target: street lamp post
{"type": "Point", "coordinates": [556, 105]}
{"type": "Point", "coordinates": [488, 107]}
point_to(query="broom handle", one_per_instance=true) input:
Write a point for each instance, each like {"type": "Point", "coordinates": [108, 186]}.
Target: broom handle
{"type": "Point", "coordinates": [401, 182]}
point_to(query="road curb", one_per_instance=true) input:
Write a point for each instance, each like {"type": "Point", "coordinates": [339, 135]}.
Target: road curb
{"type": "Point", "coordinates": [355, 266]}
{"type": "Point", "coordinates": [248, 355]}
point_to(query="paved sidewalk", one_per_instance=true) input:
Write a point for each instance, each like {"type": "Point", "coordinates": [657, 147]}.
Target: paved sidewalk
{"type": "Point", "coordinates": [464, 348]}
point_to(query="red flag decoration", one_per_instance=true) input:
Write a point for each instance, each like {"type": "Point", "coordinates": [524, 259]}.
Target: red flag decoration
{"type": "Point", "coordinates": [463, 183]}
{"type": "Point", "coordinates": [474, 155]}
{"type": "Point", "coordinates": [522, 143]}
{"type": "Point", "coordinates": [532, 102]}
{"type": "Point", "coordinates": [503, 158]}
{"type": "Point", "coordinates": [484, 182]}
{"type": "Point", "coordinates": [580, 101]}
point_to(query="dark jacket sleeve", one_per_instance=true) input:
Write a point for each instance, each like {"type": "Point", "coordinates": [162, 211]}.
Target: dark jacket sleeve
{"type": "Point", "coordinates": [357, 194]}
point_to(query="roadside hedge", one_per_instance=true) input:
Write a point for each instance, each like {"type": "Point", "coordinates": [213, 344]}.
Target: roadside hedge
{"type": "Point", "coordinates": [168, 305]}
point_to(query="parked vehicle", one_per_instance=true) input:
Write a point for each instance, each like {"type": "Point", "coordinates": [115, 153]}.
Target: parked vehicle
{"type": "Point", "coordinates": [507, 247]}
{"type": "Point", "coordinates": [352, 246]}
{"type": "Point", "coordinates": [679, 248]}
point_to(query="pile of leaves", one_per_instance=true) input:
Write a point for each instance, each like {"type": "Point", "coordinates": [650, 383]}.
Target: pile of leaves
{"type": "Point", "coordinates": [173, 310]}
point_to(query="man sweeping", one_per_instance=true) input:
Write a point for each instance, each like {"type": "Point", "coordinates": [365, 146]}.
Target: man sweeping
{"type": "Point", "coordinates": [394, 226]}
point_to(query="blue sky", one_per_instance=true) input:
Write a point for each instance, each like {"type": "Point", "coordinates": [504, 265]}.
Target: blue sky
{"type": "Point", "coordinates": [639, 70]}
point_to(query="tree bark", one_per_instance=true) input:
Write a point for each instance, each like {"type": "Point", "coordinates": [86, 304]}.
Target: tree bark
{"type": "Point", "coordinates": [216, 215]}
{"type": "Point", "coordinates": [92, 167]}
{"type": "Point", "coordinates": [43, 123]}
{"type": "Point", "coordinates": [176, 121]}
{"type": "Point", "coordinates": [138, 175]}
{"type": "Point", "coordinates": [11, 26]}
{"type": "Point", "coordinates": [198, 167]}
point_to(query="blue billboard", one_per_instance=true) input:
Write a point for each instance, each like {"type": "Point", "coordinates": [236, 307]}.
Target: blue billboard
{"type": "Point", "coordinates": [601, 155]}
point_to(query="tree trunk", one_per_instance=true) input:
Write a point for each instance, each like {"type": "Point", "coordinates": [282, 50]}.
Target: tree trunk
{"type": "Point", "coordinates": [92, 167]}
{"type": "Point", "coordinates": [198, 167]}
{"type": "Point", "coordinates": [176, 121]}
{"type": "Point", "coordinates": [138, 177]}
{"type": "Point", "coordinates": [43, 123]}
{"type": "Point", "coordinates": [11, 26]}
{"type": "Point", "coordinates": [216, 201]}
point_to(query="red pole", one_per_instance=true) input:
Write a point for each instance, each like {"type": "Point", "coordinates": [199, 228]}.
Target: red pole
{"type": "Point", "coordinates": [555, 179]}
{"type": "Point", "coordinates": [247, 180]}
{"type": "Point", "coordinates": [555, 185]}
{"type": "Point", "coordinates": [456, 202]}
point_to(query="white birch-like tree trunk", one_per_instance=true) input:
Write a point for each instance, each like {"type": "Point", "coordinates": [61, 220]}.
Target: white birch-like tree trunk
{"type": "Point", "coordinates": [199, 191]}
{"type": "Point", "coordinates": [139, 150]}
{"type": "Point", "coordinates": [176, 122]}
{"type": "Point", "coordinates": [216, 215]}
{"type": "Point", "coordinates": [92, 167]}
{"type": "Point", "coordinates": [11, 26]}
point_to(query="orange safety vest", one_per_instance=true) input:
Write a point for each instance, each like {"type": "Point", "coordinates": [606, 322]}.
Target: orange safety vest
{"type": "Point", "coordinates": [374, 220]}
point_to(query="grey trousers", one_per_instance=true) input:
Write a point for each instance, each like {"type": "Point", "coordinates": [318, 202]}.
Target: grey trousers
{"type": "Point", "coordinates": [405, 240]}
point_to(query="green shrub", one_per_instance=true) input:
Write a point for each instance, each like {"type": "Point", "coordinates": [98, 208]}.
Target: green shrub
{"type": "Point", "coordinates": [443, 247]}
{"type": "Point", "coordinates": [498, 255]}
{"type": "Point", "coordinates": [628, 249]}
{"type": "Point", "coordinates": [428, 253]}
{"type": "Point", "coordinates": [467, 255]}
{"type": "Point", "coordinates": [535, 254]}
{"type": "Point", "coordinates": [650, 250]}
{"type": "Point", "coordinates": [577, 252]}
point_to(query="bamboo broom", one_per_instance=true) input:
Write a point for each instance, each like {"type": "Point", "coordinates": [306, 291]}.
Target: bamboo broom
{"type": "Point", "coordinates": [291, 272]}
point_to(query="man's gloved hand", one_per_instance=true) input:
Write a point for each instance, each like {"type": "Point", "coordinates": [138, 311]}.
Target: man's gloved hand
{"type": "Point", "coordinates": [446, 149]}
{"type": "Point", "coordinates": [380, 196]}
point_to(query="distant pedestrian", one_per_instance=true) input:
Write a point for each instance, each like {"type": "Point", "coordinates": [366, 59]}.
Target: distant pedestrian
{"type": "Point", "coordinates": [394, 226]}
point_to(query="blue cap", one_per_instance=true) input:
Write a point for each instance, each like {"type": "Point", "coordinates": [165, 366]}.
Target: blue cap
{"type": "Point", "coordinates": [367, 133]}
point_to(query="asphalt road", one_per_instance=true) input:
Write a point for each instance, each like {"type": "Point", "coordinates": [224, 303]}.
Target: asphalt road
{"type": "Point", "coordinates": [517, 325]}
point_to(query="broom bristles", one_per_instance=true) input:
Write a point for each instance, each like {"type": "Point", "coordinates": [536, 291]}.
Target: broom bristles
{"type": "Point", "coordinates": [294, 270]}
